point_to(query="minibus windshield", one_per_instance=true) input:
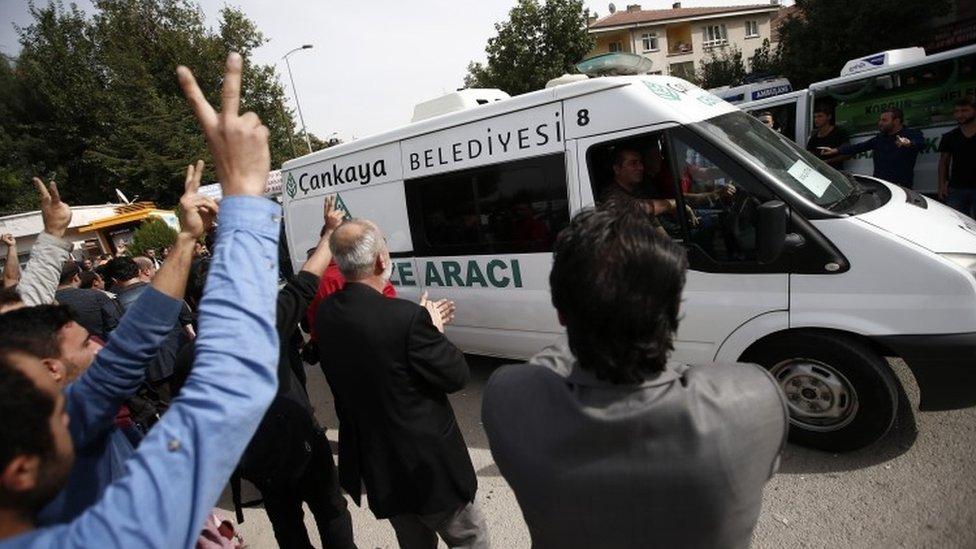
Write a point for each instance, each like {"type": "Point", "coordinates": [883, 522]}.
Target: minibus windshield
{"type": "Point", "coordinates": [782, 158]}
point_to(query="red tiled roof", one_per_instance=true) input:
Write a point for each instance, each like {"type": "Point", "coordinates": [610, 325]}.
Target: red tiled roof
{"type": "Point", "coordinates": [622, 18]}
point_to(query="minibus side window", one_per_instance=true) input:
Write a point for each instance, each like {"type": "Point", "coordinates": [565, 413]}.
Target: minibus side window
{"type": "Point", "coordinates": [722, 197]}
{"type": "Point", "coordinates": [515, 207]}
{"type": "Point", "coordinates": [783, 119]}
{"type": "Point", "coordinates": [657, 184]}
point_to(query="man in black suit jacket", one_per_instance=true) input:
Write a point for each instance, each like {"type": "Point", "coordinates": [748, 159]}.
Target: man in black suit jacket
{"type": "Point", "coordinates": [390, 369]}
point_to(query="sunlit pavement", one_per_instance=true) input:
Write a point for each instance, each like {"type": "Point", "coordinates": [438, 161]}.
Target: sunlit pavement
{"type": "Point", "coordinates": [915, 488]}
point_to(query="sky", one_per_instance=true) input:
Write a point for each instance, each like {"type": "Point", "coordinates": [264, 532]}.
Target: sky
{"type": "Point", "coordinates": [371, 62]}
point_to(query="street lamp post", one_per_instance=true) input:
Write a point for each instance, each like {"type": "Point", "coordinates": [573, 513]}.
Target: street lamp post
{"type": "Point", "coordinates": [295, 91]}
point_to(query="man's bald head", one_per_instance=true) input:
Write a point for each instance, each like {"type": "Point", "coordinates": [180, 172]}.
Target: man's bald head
{"type": "Point", "coordinates": [356, 245]}
{"type": "Point", "coordinates": [147, 269]}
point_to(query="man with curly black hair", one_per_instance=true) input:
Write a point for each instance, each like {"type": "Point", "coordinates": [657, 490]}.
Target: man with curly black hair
{"type": "Point", "coordinates": [606, 441]}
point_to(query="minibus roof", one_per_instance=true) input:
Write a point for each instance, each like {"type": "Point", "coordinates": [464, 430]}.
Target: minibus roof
{"type": "Point", "coordinates": [880, 71]}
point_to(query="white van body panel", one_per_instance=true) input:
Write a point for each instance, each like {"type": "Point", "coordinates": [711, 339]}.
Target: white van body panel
{"type": "Point", "coordinates": [937, 227]}
{"type": "Point", "coordinates": [714, 305]}
{"type": "Point", "coordinates": [752, 331]}
{"type": "Point", "coordinates": [893, 287]}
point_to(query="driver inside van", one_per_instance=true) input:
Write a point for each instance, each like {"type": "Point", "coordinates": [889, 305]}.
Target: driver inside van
{"type": "Point", "coordinates": [628, 190]}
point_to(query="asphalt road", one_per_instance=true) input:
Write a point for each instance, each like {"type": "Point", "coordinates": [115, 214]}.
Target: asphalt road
{"type": "Point", "coordinates": [915, 488]}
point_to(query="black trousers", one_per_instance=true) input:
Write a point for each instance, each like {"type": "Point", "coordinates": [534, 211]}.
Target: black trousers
{"type": "Point", "coordinates": [319, 488]}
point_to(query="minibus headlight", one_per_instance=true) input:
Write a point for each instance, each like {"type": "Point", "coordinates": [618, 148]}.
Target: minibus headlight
{"type": "Point", "coordinates": [966, 261]}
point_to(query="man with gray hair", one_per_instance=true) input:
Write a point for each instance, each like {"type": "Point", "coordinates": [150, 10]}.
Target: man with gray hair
{"type": "Point", "coordinates": [390, 369]}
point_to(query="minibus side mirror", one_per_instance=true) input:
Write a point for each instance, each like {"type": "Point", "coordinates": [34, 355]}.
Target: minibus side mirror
{"type": "Point", "coordinates": [772, 230]}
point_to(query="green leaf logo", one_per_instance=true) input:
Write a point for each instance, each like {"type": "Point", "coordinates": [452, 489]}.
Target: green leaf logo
{"type": "Point", "coordinates": [341, 206]}
{"type": "Point", "coordinates": [291, 186]}
{"type": "Point", "coordinates": [661, 91]}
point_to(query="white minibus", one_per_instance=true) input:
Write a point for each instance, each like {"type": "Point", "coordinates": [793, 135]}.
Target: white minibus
{"type": "Point", "coordinates": [812, 273]}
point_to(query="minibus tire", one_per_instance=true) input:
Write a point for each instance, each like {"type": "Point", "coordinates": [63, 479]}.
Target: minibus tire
{"type": "Point", "coordinates": [790, 356]}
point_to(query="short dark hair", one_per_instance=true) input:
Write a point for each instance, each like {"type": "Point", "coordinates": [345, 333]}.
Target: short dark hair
{"type": "Point", "coordinates": [25, 414]}
{"type": "Point", "coordinates": [122, 268]}
{"type": "Point", "coordinates": [966, 101]}
{"type": "Point", "coordinates": [87, 279]}
{"type": "Point", "coordinates": [34, 330]}
{"type": "Point", "coordinates": [617, 282]}
{"type": "Point", "coordinates": [69, 270]}
{"type": "Point", "coordinates": [895, 113]}
{"type": "Point", "coordinates": [767, 113]}
{"type": "Point", "coordinates": [619, 151]}
{"type": "Point", "coordinates": [9, 296]}
{"type": "Point", "coordinates": [824, 109]}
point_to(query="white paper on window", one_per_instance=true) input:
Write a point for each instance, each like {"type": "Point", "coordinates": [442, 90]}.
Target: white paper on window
{"type": "Point", "coordinates": [809, 178]}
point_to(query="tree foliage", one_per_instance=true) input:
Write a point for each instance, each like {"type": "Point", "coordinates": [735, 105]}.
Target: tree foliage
{"type": "Point", "coordinates": [724, 67]}
{"type": "Point", "coordinates": [538, 43]}
{"type": "Point", "coordinates": [154, 234]}
{"type": "Point", "coordinates": [93, 101]}
{"type": "Point", "coordinates": [822, 35]}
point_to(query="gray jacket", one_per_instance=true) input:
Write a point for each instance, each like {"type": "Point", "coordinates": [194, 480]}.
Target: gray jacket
{"type": "Point", "coordinates": [677, 461]}
{"type": "Point", "coordinates": [43, 271]}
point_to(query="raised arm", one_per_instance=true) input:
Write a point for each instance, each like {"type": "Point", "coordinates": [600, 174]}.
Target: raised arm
{"type": "Point", "coordinates": [850, 149]}
{"type": "Point", "coordinates": [178, 471]}
{"type": "Point", "coordinates": [50, 250]}
{"type": "Point", "coordinates": [11, 267]}
{"type": "Point", "coordinates": [120, 367]}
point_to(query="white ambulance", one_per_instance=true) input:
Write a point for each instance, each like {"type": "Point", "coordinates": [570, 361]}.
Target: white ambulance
{"type": "Point", "coordinates": [814, 274]}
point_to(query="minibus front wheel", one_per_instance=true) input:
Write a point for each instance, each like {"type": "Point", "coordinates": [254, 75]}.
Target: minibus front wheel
{"type": "Point", "coordinates": [840, 392]}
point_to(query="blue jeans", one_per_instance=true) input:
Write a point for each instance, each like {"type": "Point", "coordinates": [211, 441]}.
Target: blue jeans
{"type": "Point", "coordinates": [963, 200]}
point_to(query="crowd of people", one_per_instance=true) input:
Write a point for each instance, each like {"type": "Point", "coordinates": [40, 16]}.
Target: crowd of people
{"type": "Point", "coordinates": [131, 392]}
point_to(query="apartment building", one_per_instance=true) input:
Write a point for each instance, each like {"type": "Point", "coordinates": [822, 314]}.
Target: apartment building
{"type": "Point", "coordinates": [677, 40]}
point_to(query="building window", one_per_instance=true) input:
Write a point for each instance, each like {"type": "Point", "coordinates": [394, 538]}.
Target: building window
{"type": "Point", "coordinates": [752, 29]}
{"type": "Point", "coordinates": [650, 41]}
{"type": "Point", "coordinates": [715, 36]}
{"type": "Point", "coordinates": [684, 70]}
{"type": "Point", "coordinates": [615, 47]}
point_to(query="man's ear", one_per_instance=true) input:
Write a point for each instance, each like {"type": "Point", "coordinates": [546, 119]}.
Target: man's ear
{"type": "Point", "coordinates": [20, 475]}
{"type": "Point", "coordinates": [378, 266]}
{"type": "Point", "coordinates": [56, 368]}
{"type": "Point", "coordinates": [562, 322]}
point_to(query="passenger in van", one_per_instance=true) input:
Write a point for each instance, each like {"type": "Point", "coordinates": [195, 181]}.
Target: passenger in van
{"type": "Point", "coordinates": [768, 120]}
{"type": "Point", "coordinates": [827, 136]}
{"type": "Point", "coordinates": [605, 441]}
{"type": "Point", "coordinates": [894, 149]}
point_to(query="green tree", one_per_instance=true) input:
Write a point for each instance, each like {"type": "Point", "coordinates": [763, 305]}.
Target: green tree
{"type": "Point", "coordinates": [93, 100]}
{"type": "Point", "coordinates": [538, 43]}
{"type": "Point", "coordinates": [724, 67]}
{"type": "Point", "coordinates": [765, 62]}
{"type": "Point", "coordinates": [824, 34]}
{"type": "Point", "coordinates": [154, 234]}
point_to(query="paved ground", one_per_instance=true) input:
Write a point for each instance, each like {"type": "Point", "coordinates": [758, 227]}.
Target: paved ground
{"type": "Point", "coordinates": [915, 488]}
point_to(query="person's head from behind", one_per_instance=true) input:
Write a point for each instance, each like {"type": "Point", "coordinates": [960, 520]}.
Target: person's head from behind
{"type": "Point", "coordinates": [823, 117]}
{"type": "Point", "coordinates": [147, 269]}
{"type": "Point", "coordinates": [70, 274]}
{"type": "Point", "coordinates": [36, 452]}
{"type": "Point", "coordinates": [122, 270]}
{"type": "Point", "coordinates": [616, 284]}
{"type": "Point", "coordinates": [360, 252]}
{"type": "Point", "coordinates": [91, 280]}
{"type": "Point", "coordinates": [50, 334]}
{"type": "Point", "coordinates": [964, 111]}
{"type": "Point", "coordinates": [891, 120]}
{"type": "Point", "coordinates": [628, 167]}
{"type": "Point", "coordinates": [767, 119]}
